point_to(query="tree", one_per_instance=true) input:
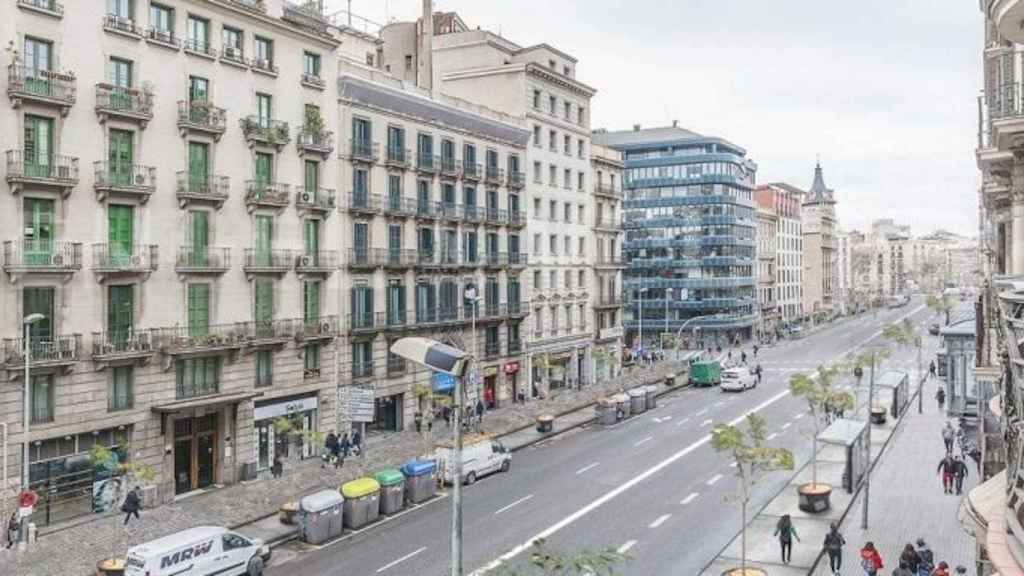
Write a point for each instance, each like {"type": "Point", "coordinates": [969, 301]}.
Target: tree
{"type": "Point", "coordinates": [605, 357]}
{"type": "Point", "coordinates": [545, 562]}
{"type": "Point", "coordinates": [821, 397]}
{"type": "Point", "coordinates": [941, 304]}
{"type": "Point", "coordinates": [752, 458]}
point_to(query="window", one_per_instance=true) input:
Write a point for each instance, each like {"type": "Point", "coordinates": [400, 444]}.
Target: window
{"type": "Point", "coordinates": [567, 212]}
{"type": "Point", "coordinates": [536, 99]}
{"type": "Point", "coordinates": [493, 345]}
{"type": "Point", "coordinates": [120, 313]}
{"type": "Point", "coordinates": [536, 244]}
{"type": "Point", "coordinates": [42, 398]}
{"type": "Point", "coordinates": [120, 8]}
{"type": "Point", "coordinates": [311, 64]}
{"type": "Point", "coordinates": [568, 112]}
{"type": "Point", "coordinates": [538, 320]}
{"type": "Point", "coordinates": [38, 58]}
{"type": "Point", "coordinates": [581, 181]}
{"type": "Point", "coordinates": [579, 148]}
{"type": "Point", "coordinates": [536, 135]}
{"type": "Point", "coordinates": [121, 73]}
{"type": "Point", "coordinates": [469, 155]}
{"type": "Point", "coordinates": [198, 89]}
{"type": "Point", "coordinates": [408, 61]}
{"type": "Point", "coordinates": [566, 71]}
{"type": "Point", "coordinates": [311, 361]}
{"type": "Point", "coordinates": [264, 109]}
{"type": "Point", "coordinates": [198, 167]}
{"type": "Point", "coordinates": [567, 178]}
{"type": "Point", "coordinates": [552, 279]}
{"type": "Point", "coordinates": [264, 54]}
{"type": "Point", "coordinates": [552, 139]}
{"type": "Point", "coordinates": [197, 377]}
{"type": "Point", "coordinates": [567, 243]}
{"type": "Point", "coordinates": [582, 281]}
{"type": "Point", "coordinates": [233, 43]}
{"type": "Point", "coordinates": [553, 245]}
{"type": "Point", "coordinates": [425, 149]}
{"type": "Point", "coordinates": [537, 176]}
{"type": "Point", "coordinates": [537, 280]}
{"type": "Point", "coordinates": [554, 320]}
{"type": "Point", "coordinates": [580, 115]}
{"type": "Point", "coordinates": [579, 213]}
{"type": "Point", "coordinates": [552, 104]}
{"type": "Point", "coordinates": [567, 279]}
{"type": "Point", "coordinates": [198, 34]}
{"type": "Point", "coordinates": [38, 146]}
{"type": "Point", "coordinates": [161, 19]}
{"type": "Point", "coordinates": [582, 248]}
{"type": "Point", "coordinates": [311, 302]}
{"type": "Point", "coordinates": [119, 394]}
{"type": "Point", "coordinates": [567, 144]}
{"type": "Point", "coordinates": [362, 359]}
{"type": "Point", "coordinates": [552, 210]}
{"type": "Point", "coordinates": [198, 309]}
{"type": "Point", "coordinates": [552, 175]}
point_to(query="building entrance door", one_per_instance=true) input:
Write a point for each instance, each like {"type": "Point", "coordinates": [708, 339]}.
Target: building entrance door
{"type": "Point", "coordinates": [195, 453]}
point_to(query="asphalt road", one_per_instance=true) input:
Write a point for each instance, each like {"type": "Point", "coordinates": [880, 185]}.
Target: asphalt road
{"type": "Point", "coordinates": [651, 486]}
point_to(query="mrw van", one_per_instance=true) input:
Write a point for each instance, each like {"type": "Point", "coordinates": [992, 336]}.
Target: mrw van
{"type": "Point", "coordinates": [202, 551]}
{"type": "Point", "coordinates": [480, 456]}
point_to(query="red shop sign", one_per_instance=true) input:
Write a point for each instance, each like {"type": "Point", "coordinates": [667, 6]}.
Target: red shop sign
{"type": "Point", "coordinates": [511, 367]}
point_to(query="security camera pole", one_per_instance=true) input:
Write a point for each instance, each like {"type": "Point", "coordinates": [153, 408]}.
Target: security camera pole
{"type": "Point", "coordinates": [442, 358]}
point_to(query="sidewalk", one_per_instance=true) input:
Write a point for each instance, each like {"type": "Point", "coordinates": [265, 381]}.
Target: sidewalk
{"type": "Point", "coordinates": [74, 549]}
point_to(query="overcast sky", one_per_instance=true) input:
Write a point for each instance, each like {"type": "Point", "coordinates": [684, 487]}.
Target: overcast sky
{"type": "Point", "coordinates": [884, 91]}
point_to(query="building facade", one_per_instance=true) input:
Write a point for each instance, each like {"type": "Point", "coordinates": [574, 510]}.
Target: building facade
{"type": "Point", "coordinates": [843, 271]}
{"type": "Point", "coordinates": [606, 264]}
{"type": "Point", "coordinates": [767, 269]}
{"type": "Point", "coordinates": [784, 201]}
{"type": "Point", "coordinates": [168, 206]}
{"type": "Point", "coordinates": [819, 225]}
{"type": "Point", "coordinates": [691, 234]}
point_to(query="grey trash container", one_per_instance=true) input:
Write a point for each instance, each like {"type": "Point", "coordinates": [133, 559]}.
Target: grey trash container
{"type": "Point", "coordinates": [652, 396]}
{"type": "Point", "coordinates": [321, 516]}
{"type": "Point", "coordinates": [638, 400]}
{"type": "Point", "coordinates": [392, 491]}
{"type": "Point", "coordinates": [362, 502]}
{"type": "Point", "coordinates": [420, 480]}
{"type": "Point", "coordinates": [622, 405]}
{"type": "Point", "coordinates": [605, 410]}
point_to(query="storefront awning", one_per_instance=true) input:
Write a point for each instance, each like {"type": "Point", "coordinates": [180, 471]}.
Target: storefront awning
{"type": "Point", "coordinates": [206, 401]}
{"type": "Point", "coordinates": [982, 504]}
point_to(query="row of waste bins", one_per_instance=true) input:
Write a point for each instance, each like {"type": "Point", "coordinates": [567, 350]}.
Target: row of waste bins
{"type": "Point", "coordinates": [323, 515]}
{"type": "Point", "coordinates": [618, 407]}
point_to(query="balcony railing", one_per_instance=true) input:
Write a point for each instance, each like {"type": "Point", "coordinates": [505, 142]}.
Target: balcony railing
{"type": "Point", "coordinates": [363, 150]}
{"type": "Point", "coordinates": [267, 260]}
{"type": "Point", "coordinates": [450, 167]}
{"type": "Point", "coordinates": [397, 157]}
{"type": "Point", "coordinates": [267, 194]}
{"type": "Point", "coordinates": [515, 346]}
{"type": "Point", "coordinates": [267, 131]}
{"type": "Point", "coordinates": [43, 86]}
{"type": "Point", "coordinates": [516, 218]}
{"type": "Point", "coordinates": [121, 25]}
{"type": "Point", "coordinates": [427, 163]}
{"type": "Point", "coordinates": [234, 55]}
{"type": "Point", "coordinates": [162, 37]}
{"type": "Point", "coordinates": [313, 80]}
{"type": "Point", "coordinates": [495, 259]}
{"type": "Point", "coordinates": [121, 344]}
{"type": "Point", "coordinates": [316, 328]}
{"type": "Point", "coordinates": [202, 260]}
{"type": "Point", "coordinates": [183, 339]}
{"type": "Point", "coordinates": [319, 262]}
{"type": "Point", "coordinates": [494, 175]}
{"type": "Point", "coordinates": [200, 47]}
{"type": "Point", "coordinates": [201, 116]}
{"type": "Point", "coordinates": [315, 141]}
{"type": "Point", "coordinates": [47, 170]}
{"type": "Point", "coordinates": [365, 322]}
{"type": "Point", "coordinates": [518, 259]}
{"type": "Point", "coordinates": [399, 207]}
{"type": "Point", "coordinates": [607, 224]}
{"type": "Point", "coordinates": [495, 216]}
{"type": "Point", "coordinates": [517, 308]}
{"type": "Point", "coordinates": [363, 202]}
{"type": "Point", "coordinates": [137, 259]}
{"type": "Point", "coordinates": [426, 209]}
{"type": "Point", "coordinates": [362, 368]}
{"type": "Point", "coordinates": [363, 258]}
{"type": "Point", "coordinates": [131, 179]}
{"type": "Point", "coordinates": [492, 349]}
{"type": "Point", "coordinates": [448, 210]}
{"type": "Point", "coordinates": [49, 7]}
{"type": "Point", "coordinates": [268, 330]}
{"type": "Point", "coordinates": [125, 103]}
{"type": "Point", "coordinates": [202, 187]}
{"type": "Point", "coordinates": [54, 351]}
{"type": "Point", "coordinates": [396, 258]}
{"type": "Point", "coordinates": [396, 366]}
{"type": "Point", "coordinates": [611, 301]}
{"type": "Point", "coordinates": [264, 65]}
{"type": "Point", "coordinates": [516, 179]}
{"type": "Point", "coordinates": [471, 213]}
{"type": "Point", "coordinates": [608, 190]}
{"type": "Point", "coordinates": [318, 199]}
{"type": "Point", "coordinates": [471, 171]}
{"type": "Point", "coordinates": [442, 315]}
{"type": "Point", "coordinates": [42, 256]}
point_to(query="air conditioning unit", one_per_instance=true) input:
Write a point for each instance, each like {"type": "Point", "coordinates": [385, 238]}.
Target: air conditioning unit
{"type": "Point", "coordinates": [136, 261]}
{"type": "Point", "coordinates": [305, 260]}
{"type": "Point", "coordinates": [265, 64]}
{"type": "Point", "coordinates": [57, 260]}
{"type": "Point", "coordinates": [325, 328]}
{"type": "Point", "coordinates": [307, 197]}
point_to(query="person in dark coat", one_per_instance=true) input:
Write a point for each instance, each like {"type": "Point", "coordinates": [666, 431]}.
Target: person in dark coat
{"type": "Point", "coordinates": [959, 473]}
{"type": "Point", "coordinates": [277, 467]}
{"type": "Point", "coordinates": [946, 466]}
{"type": "Point", "coordinates": [940, 397]}
{"type": "Point", "coordinates": [344, 445]}
{"type": "Point", "coordinates": [786, 533]}
{"type": "Point", "coordinates": [132, 504]}
{"type": "Point", "coordinates": [909, 558]}
{"type": "Point", "coordinates": [834, 543]}
{"type": "Point", "coordinates": [357, 443]}
{"type": "Point", "coordinates": [13, 528]}
{"type": "Point", "coordinates": [758, 370]}
{"type": "Point", "coordinates": [924, 553]}
{"type": "Point", "coordinates": [331, 446]}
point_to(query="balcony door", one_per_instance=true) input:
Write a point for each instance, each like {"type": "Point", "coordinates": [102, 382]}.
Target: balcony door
{"type": "Point", "coordinates": [264, 172]}
{"type": "Point", "coordinates": [198, 167]}
{"type": "Point", "coordinates": [361, 135]}
{"type": "Point", "coordinates": [121, 79]}
{"type": "Point", "coordinates": [264, 240]}
{"type": "Point", "coordinates": [120, 234]}
{"type": "Point", "coordinates": [396, 302]}
{"type": "Point", "coordinates": [362, 306]}
{"type": "Point", "coordinates": [39, 300]}
{"type": "Point", "coordinates": [311, 238]}
{"type": "Point", "coordinates": [38, 147]}
{"type": "Point", "coordinates": [120, 313]}
{"type": "Point", "coordinates": [361, 241]}
{"type": "Point", "coordinates": [199, 238]}
{"type": "Point", "coordinates": [38, 61]}
{"type": "Point", "coordinates": [198, 310]}
{"type": "Point", "coordinates": [121, 156]}
{"type": "Point", "coordinates": [263, 312]}
{"type": "Point", "coordinates": [396, 141]}
{"type": "Point", "coordinates": [39, 231]}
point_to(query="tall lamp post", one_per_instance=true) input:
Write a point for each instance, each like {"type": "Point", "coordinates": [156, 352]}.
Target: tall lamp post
{"type": "Point", "coordinates": [26, 415]}
{"type": "Point", "coordinates": [470, 294]}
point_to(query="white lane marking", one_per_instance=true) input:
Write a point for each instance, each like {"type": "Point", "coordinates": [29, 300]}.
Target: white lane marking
{"type": "Point", "coordinates": [648, 439]}
{"type": "Point", "coordinates": [772, 436]}
{"type": "Point", "coordinates": [400, 560]}
{"type": "Point", "coordinates": [666, 418]}
{"type": "Point", "coordinates": [714, 479]}
{"type": "Point", "coordinates": [661, 520]}
{"type": "Point", "coordinates": [787, 425]}
{"type": "Point", "coordinates": [625, 547]}
{"type": "Point", "coordinates": [619, 490]}
{"type": "Point", "coordinates": [693, 496]}
{"type": "Point", "coordinates": [516, 503]}
{"type": "Point", "coordinates": [799, 416]}
{"type": "Point", "coordinates": [683, 421]}
{"type": "Point", "coordinates": [585, 468]}
{"type": "Point", "coordinates": [702, 412]}
{"type": "Point", "coordinates": [733, 465]}
{"type": "Point", "coordinates": [705, 423]}
{"type": "Point", "coordinates": [719, 403]}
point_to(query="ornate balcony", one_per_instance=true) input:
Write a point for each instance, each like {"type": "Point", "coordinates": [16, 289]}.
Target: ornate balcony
{"type": "Point", "coordinates": [492, 350]}
{"type": "Point", "coordinates": [53, 171]}
{"type": "Point", "coordinates": [398, 207]}
{"type": "Point", "coordinates": [233, 56]}
{"type": "Point", "coordinates": [200, 48]}
{"type": "Point", "coordinates": [426, 210]}
{"type": "Point", "coordinates": [495, 260]}
{"type": "Point", "coordinates": [46, 7]}
{"type": "Point", "coordinates": [25, 84]}
{"type": "Point", "coordinates": [427, 164]}
{"type": "Point", "coordinates": [265, 131]}
{"type": "Point", "coordinates": [363, 151]}
{"type": "Point", "coordinates": [312, 329]}
{"type": "Point", "coordinates": [127, 180]}
{"type": "Point", "coordinates": [609, 261]}
{"type": "Point", "coordinates": [516, 180]}
{"type": "Point", "coordinates": [394, 319]}
{"type": "Point", "coordinates": [517, 309]}
{"type": "Point", "coordinates": [365, 323]}
{"type": "Point", "coordinates": [273, 195]}
{"type": "Point", "coordinates": [362, 369]}
{"type": "Point", "coordinates": [472, 214]}
{"type": "Point", "coordinates": [121, 345]}
{"type": "Point", "coordinates": [449, 211]}
{"type": "Point", "coordinates": [397, 157]}
{"type": "Point", "coordinates": [427, 260]}
{"type": "Point", "coordinates": [60, 352]}
{"type": "Point", "coordinates": [201, 117]}
{"type": "Point", "coordinates": [515, 346]}
{"type": "Point", "coordinates": [201, 188]}
{"type": "Point", "coordinates": [608, 301]}
{"type": "Point", "coordinates": [162, 38]}
{"type": "Point", "coordinates": [268, 332]}
{"type": "Point", "coordinates": [608, 191]}
{"type": "Point", "coordinates": [211, 339]}
{"type": "Point", "coordinates": [518, 260]}
{"type": "Point", "coordinates": [122, 26]}
{"type": "Point", "coordinates": [267, 262]}
{"type": "Point", "coordinates": [396, 259]}
{"type": "Point", "coordinates": [607, 225]}
{"type": "Point", "coordinates": [450, 167]}
{"type": "Point", "coordinates": [471, 171]}
{"type": "Point", "coordinates": [363, 203]}
{"type": "Point", "coordinates": [494, 176]}
{"type": "Point", "coordinates": [313, 81]}
{"type": "Point", "coordinates": [110, 262]}
{"type": "Point", "coordinates": [264, 66]}
{"type": "Point", "coordinates": [516, 219]}
{"type": "Point", "coordinates": [320, 142]}
{"type": "Point", "coordinates": [202, 261]}
{"type": "Point", "coordinates": [320, 263]}
{"type": "Point", "coordinates": [126, 104]}
{"type": "Point", "coordinates": [495, 216]}
{"type": "Point", "coordinates": [363, 259]}
{"type": "Point", "coordinates": [37, 257]}
{"type": "Point", "coordinates": [317, 201]}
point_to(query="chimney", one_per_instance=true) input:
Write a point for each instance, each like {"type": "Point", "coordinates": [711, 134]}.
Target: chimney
{"type": "Point", "coordinates": [636, 127]}
{"type": "Point", "coordinates": [425, 75]}
{"type": "Point", "coordinates": [675, 123]}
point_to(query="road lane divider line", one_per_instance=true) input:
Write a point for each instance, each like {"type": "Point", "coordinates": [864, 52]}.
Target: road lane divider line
{"type": "Point", "coordinates": [618, 490]}
{"type": "Point", "coordinates": [683, 421]}
{"type": "Point", "coordinates": [587, 467]}
{"type": "Point", "coordinates": [702, 412]}
{"type": "Point", "coordinates": [787, 425]}
{"type": "Point", "coordinates": [714, 479]}
{"type": "Point", "coordinates": [648, 439]}
{"type": "Point", "coordinates": [659, 521]}
{"type": "Point", "coordinates": [798, 416]}
{"type": "Point", "coordinates": [625, 547]}
{"type": "Point", "coordinates": [516, 503]}
{"type": "Point", "coordinates": [772, 436]}
{"type": "Point", "coordinates": [400, 560]}
{"type": "Point", "coordinates": [705, 423]}
{"type": "Point", "coordinates": [693, 496]}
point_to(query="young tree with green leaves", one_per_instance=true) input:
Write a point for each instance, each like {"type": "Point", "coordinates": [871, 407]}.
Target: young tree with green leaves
{"type": "Point", "coordinates": [543, 561]}
{"type": "Point", "coordinates": [821, 397]}
{"type": "Point", "coordinates": [752, 459]}
{"type": "Point", "coordinates": [941, 304]}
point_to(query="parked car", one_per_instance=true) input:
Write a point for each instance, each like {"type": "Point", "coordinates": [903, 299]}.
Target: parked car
{"type": "Point", "coordinates": [705, 373]}
{"type": "Point", "coordinates": [480, 456]}
{"type": "Point", "coordinates": [933, 329]}
{"type": "Point", "coordinates": [738, 380]}
{"type": "Point", "coordinates": [201, 551]}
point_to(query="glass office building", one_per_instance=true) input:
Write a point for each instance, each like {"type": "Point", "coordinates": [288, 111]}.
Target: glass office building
{"type": "Point", "coordinates": [690, 236]}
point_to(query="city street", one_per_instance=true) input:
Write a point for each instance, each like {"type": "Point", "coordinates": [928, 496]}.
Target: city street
{"type": "Point", "coordinates": [651, 486]}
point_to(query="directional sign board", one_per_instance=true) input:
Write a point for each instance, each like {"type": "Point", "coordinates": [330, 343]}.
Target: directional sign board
{"type": "Point", "coordinates": [360, 402]}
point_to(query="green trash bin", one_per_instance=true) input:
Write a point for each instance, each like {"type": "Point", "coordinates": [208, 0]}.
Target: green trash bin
{"type": "Point", "coordinates": [392, 490]}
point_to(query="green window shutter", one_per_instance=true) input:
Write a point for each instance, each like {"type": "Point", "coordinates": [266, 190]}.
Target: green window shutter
{"type": "Point", "coordinates": [311, 301]}
{"type": "Point", "coordinates": [198, 167]}
{"type": "Point", "coordinates": [264, 368]}
{"type": "Point", "coordinates": [39, 300]}
{"type": "Point", "coordinates": [120, 231]}
{"type": "Point", "coordinates": [198, 309]}
{"type": "Point", "coordinates": [38, 232]}
{"type": "Point", "coordinates": [312, 176]}
{"type": "Point", "coordinates": [120, 311]}
{"type": "Point", "coordinates": [263, 169]}
{"type": "Point", "coordinates": [264, 239]}
{"type": "Point", "coordinates": [121, 157]}
{"type": "Point", "coordinates": [264, 312]}
{"type": "Point", "coordinates": [199, 237]}
{"type": "Point", "coordinates": [312, 237]}
{"type": "Point", "coordinates": [38, 146]}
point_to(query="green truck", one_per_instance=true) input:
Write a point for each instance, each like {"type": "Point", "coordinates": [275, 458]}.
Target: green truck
{"type": "Point", "coordinates": [705, 373]}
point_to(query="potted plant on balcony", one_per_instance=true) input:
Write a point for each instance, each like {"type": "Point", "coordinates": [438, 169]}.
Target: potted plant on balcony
{"type": "Point", "coordinates": [752, 459]}
{"type": "Point", "coordinates": [822, 399]}
{"type": "Point", "coordinates": [313, 122]}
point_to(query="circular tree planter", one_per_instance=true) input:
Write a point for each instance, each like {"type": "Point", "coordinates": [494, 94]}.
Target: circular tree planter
{"type": "Point", "coordinates": [287, 512]}
{"type": "Point", "coordinates": [545, 423]}
{"type": "Point", "coordinates": [110, 567]}
{"type": "Point", "coordinates": [814, 498]}
{"type": "Point", "coordinates": [748, 571]}
{"type": "Point", "coordinates": [878, 414]}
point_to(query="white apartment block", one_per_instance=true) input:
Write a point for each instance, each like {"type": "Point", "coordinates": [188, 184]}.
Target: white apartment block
{"type": "Point", "coordinates": [432, 208]}
{"type": "Point", "coordinates": [843, 271]}
{"type": "Point", "coordinates": [785, 201]}
{"type": "Point", "coordinates": [169, 208]}
{"type": "Point", "coordinates": [537, 84]}
{"type": "Point", "coordinates": [607, 261]}
{"type": "Point", "coordinates": [767, 262]}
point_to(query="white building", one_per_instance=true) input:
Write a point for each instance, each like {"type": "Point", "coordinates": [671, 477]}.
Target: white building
{"type": "Point", "coordinates": [784, 201]}
{"type": "Point", "coordinates": [606, 259]}
{"type": "Point", "coordinates": [767, 264]}
{"type": "Point", "coordinates": [843, 272]}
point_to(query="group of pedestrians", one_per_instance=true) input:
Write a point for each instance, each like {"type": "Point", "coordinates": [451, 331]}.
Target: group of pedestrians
{"type": "Point", "coordinates": [337, 449]}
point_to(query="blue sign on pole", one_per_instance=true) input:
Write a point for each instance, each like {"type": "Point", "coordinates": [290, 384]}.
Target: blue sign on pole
{"type": "Point", "coordinates": [442, 383]}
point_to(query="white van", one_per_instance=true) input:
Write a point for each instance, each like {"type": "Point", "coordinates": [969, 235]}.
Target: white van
{"type": "Point", "coordinates": [202, 551]}
{"type": "Point", "coordinates": [479, 458]}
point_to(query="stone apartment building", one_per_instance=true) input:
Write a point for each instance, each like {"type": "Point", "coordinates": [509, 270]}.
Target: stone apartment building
{"type": "Point", "coordinates": [784, 201]}
{"type": "Point", "coordinates": [607, 262]}
{"type": "Point", "coordinates": [819, 225]}
{"type": "Point", "coordinates": [169, 209]}
{"type": "Point", "coordinates": [767, 263]}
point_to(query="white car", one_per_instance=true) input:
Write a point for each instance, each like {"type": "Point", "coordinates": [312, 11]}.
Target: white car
{"type": "Point", "coordinates": [737, 380]}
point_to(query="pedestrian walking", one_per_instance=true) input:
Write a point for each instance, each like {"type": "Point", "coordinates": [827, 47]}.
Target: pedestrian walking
{"type": "Point", "coordinates": [870, 559]}
{"type": "Point", "coordinates": [931, 369]}
{"type": "Point", "coordinates": [446, 413]}
{"type": "Point", "coordinates": [13, 528]}
{"type": "Point", "coordinates": [948, 434]}
{"type": "Point", "coordinates": [959, 473]}
{"type": "Point", "coordinates": [729, 355]}
{"type": "Point", "coordinates": [277, 467]}
{"type": "Point", "coordinates": [786, 532]}
{"type": "Point", "coordinates": [344, 445]}
{"type": "Point", "coordinates": [941, 570]}
{"type": "Point", "coordinates": [131, 505]}
{"type": "Point", "coordinates": [946, 466]}
{"type": "Point", "coordinates": [357, 443]}
{"type": "Point", "coordinates": [924, 553]}
{"type": "Point", "coordinates": [479, 410]}
{"type": "Point", "coordinates": [758, 370]}
{"type": "Point", "coordinates": [330, 448]}
{"type": "Point", "coordinates": [417, 420]}
{"type": "Point", "coordinates": [743, 357]}
{"type": "Point", "coordinates": [909, 559]}
{"type": "Point", "coordinates": [940, 397]}
{"type": "Point", "coordinates": [755, 350]}
{"type": "Point", "coordinates": [834, 543]}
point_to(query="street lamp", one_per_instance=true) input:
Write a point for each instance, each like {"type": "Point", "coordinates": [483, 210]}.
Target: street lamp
{"type": "Point", "coordinates": [679, 333]}
{"type": "Point", "coordinates": [640, 311]}
{"type": "Point", "coordinates": [27, 325]}
{"type": "Point", "coordinates": [470, 294]}
{"type": "Point", "coordinates": [443, 358]}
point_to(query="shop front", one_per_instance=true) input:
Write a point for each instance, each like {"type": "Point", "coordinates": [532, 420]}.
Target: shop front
{"type": "Point", "coordinates": [387, 413]}
{"type": "Point", "coordinates": [281, 427]}
{"type": "Point", "coordinates": [490, 387]}
{"type": "Point", "coordinates": [511, 370]}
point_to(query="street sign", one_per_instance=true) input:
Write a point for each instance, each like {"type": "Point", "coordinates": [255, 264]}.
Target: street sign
{"type": "Point", "coordinates": [360, 402]}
